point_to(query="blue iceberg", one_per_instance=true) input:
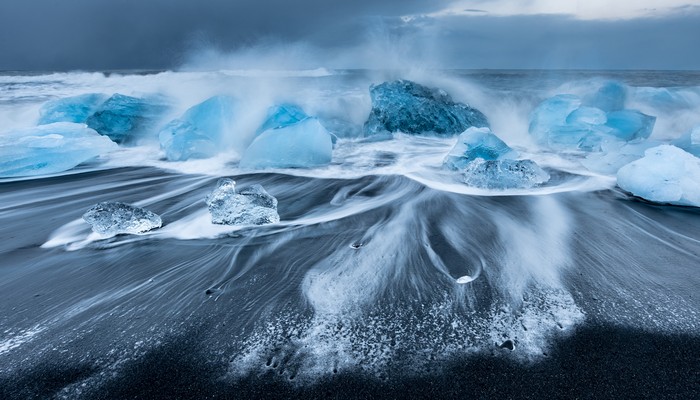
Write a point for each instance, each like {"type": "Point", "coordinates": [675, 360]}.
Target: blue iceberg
{"type": "Point", "coordinates": [200, 131]}
{"type": "Point", "coordinates": [485, 161]}
{"type": "Point", "coordinates": [282, 115]}
{"type": "Point", "coordinates": [611, 96]}
{"type": "Point", "coordinates": [114, 218]}
{"type": "Point", "coordinates": [122, 118]}
{"type": "Point", "coordinates": [48, 149]}
{"type": "Point", "coordinates": [71, 109]}
{"type": "Point", "coordinates": [666, 174]}
{"type": "Point", "coordinates": [563, 122]}
{"type": "Point", "coordinates": [405, 106]}
{"type": "Point", "coordinates": [252, 206]}
{"type": "Point", "coordinates": [304, 144]}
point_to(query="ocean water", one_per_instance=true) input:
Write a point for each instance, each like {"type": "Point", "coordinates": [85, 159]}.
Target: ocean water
{"type": "Point", "coordinates": [382, 270]}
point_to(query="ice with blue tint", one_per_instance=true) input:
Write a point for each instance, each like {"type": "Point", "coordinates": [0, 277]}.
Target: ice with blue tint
{"type": "Point", "coordinates": [611, 96]}
{"type": "Point", "coordinates": [483, 160]}
{"type": "Point", "coordinates": [405, 106]}
{"type": "Point", "coordinates": [251, 206]}
{"type": "Point", "coordinates": [123, 118]}
{"type": "Point", "coordinates": [199, 132]}
{"type": "Point", "coordinates": [48, 149]}
{"type": "Point", "coordinates": [114, 218]}
{"type": "Point", "coordinates": [662, 98]}
{"type": "Point", "coordinates": [690, 141]}
{"type": "Point", "coordinates": [563, 122]}
{"type": "Point", "coordinates": [71, 109]}
{"type": "Point", "coordinates": [302, 145]}
{"type": "Point", "coordinates": [477, 143]}
{"type": "Point", "coordinates": [666, 174]}
{"type": "Point", "coordinates": [282, 115]}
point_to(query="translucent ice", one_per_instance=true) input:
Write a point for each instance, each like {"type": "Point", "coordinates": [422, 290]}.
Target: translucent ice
{"type": "Point", "coordinates": [301, 145]}
{"type": "Point", "coordinates": [71, 109]}
{"type": "Point", "coordinates": [666, 174]}
{"type": "Point", "coordinates": [48, 149]}
{"type": "Point", "coordinates": [200, 130]}
{"type": "Point", "coordinates": [504, 174]}
{"type": "Point", "coordinates": [561, 122]}
{"type": "Point", "coordinates": [690, 141]}
{"type": "Point", "coordinates": [113, 218]}
{"type": "Point", "coordinates": [477, 143]}
{"type": "Point", "coordinates": [611, 96]}
{"type": "Point", "coordinates": [485, 161]}
{"type": "Point", "coordinates": [405, 106]}
{"type": "Point", "coordinates": [282, 115]}
{"type": "Point", "coordinates": [252, 206]}
{"type": "Point", "coordinates": [121, 117]}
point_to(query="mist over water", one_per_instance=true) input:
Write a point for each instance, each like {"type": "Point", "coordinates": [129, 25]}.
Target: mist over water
{"type": "Point", "coordinates": [382, 265]}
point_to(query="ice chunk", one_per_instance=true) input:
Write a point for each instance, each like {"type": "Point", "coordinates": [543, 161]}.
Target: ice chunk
{"type": "Point", "coordinates": [114, 218]}
{"type": "Point", "coordinates": [252, 206]}
{"type": "Point", "coordinates": [690, 141]}
{"type": "Point", "coordinates": [121, 117]}
{"type": "Point", "coordinates": [587, 115]}
{"type": "Point", "coordinates": [405, 106]}
{"type": "Point", "coordinates": [200, 131]}
{"type": "Point", "coordinates": [71, 109]}
{"type": "Point", "coordinates": [48, 149]}
{"type": "Point", "coordinates": [503, 174]}
{"type": "Point", "coordinates": [550, 116]}
{"type": "Point", "coordinates": [630, 124]}
{"type": "Point", "coordinates": [301, 145]}
{"type": "Point", "coordinates": [666, 174]}
{"type": "Point", "coordinates": [662, 98]}
{"type": "Point", "coordinates": [282, 115]}
{"type": "Point", "coordinates": [609, 97]}
{"type": "Point", "coordinates": [477, 143]}
{"type": "Point", "coordinates": [485, 161]}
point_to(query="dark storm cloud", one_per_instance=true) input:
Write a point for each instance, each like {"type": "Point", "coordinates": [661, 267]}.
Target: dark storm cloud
{"type": "Point", "coordinates": [121, 34]}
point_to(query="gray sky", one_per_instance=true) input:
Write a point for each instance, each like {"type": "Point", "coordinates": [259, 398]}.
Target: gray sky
{"type": "Point", "coordinates": [125, 34]}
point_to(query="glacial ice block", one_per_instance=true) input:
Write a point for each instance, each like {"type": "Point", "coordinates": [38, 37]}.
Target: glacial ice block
{"type": "Point", "coordinates": [302, 145]}
{"type": "Point", "coordinates": [282, 115]}
{"type": "Point", "coordinates": [252, 206]}
{"type": "Point", "coordinates": [477, 143]}
{"type": "Point", "coordinates": [666, 174]}
{"type": "Point", "coordinates": [121, 117]}
{"type": "Point", "coordinates": [611, 96]}
{"type": "Point", "coordinates": [405, 106]}
{"type": "Point", "coordinates": [71, 109]}
{"type": "Point", "coordinates": [690, 141]}
{"type": "Point", "coordinates": [114, 218]}
{"type": "Point", "coordinates": [630, 124]}
{"type": "Point", "coordinates": [547, 120]}
{"type": "Point", "coordinates": [48, 149]}
{"type": "Point", "coordinates": [199, 132]}
{"type": "Point", "coordinates": [484, 160]}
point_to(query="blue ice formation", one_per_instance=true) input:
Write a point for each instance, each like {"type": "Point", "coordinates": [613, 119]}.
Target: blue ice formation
{"type": "Point", "coordinates": [114, 218]}
{"type": "Point", "coordinates": [484, 160]}
{"type": "Point", "coordinates": [71, 109]}
{"type": "Point", "coordinates": [690, 141]}
{"type": "Point", "coordinates": [251, 206]}
{"type": "Point", "coordinates": [611, 96]}
{"type": "Point", "coordinates": [303, 144]}
{"type": "Point", "coordinates": [282, 115]}
{"type": "Point", "coordinates": [563, 121]}
{"type": "Point", "coordinates": [48, 149]}
{"type": "Point", "coordinates": [405, 106]}
{"type": "Point", "coordinates": [122, 118]}
{"type": "Point", "coordinates": [666, 174]}
{"type": "Point", "coordinates": [199, 132]}
{"type": "Point", "coordinates": [662, 98]}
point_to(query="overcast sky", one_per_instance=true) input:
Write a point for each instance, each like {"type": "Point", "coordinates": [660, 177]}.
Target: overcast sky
{"type": "Point", "coordinates": [127, 34]}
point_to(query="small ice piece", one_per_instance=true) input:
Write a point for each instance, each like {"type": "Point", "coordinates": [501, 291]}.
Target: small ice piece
{"type": "Point", "coordinates": [252, 206]}
{"type": "Point", "coordinates": [465, 279]}
{"type": "Point", "coordinates": [504, 174]}
{"type": "Point", "coordinates": [305, 144]}
{"type": "Point", "coordinates": [48, 149]}
{"type": "Point", "coordinates": [282, 115]}
{"type": "Point", "coordinates": [71, 109]}
{"type": "Point", "coordinates": [477, 143]}
{"type": "Point", "coordinates": [405, 106]}
{"type": "Point", "coordinates": [114, 218]}
{"type": "Point", "coordinates": [121, 117]}
{"type": "Point", "coordinates": [611, 96]}
{"type": "Point", "coordinates": [690, 141]}
{"type": "Point", "coordinates": [630, 124]}
{"type": "Point", "coordinates": [666, 174]}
